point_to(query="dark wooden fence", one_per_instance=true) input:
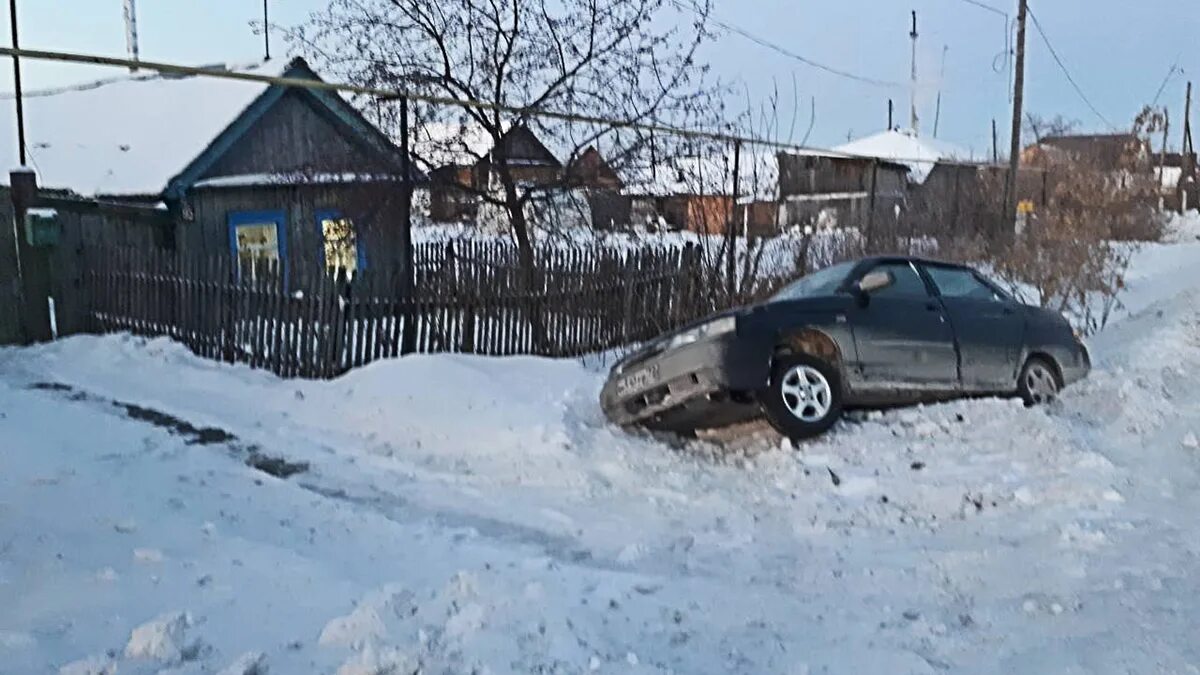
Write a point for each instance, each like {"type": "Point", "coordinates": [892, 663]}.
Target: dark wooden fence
{"type": "Point", "coordinates": [469, 297]}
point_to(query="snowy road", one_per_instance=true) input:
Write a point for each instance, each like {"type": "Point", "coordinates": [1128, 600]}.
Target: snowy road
{"type": "Point", "coordinates": [469, 514]}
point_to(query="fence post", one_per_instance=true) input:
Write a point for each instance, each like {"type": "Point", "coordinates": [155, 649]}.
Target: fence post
{"type": "Point", "coordinates": [627, 283]}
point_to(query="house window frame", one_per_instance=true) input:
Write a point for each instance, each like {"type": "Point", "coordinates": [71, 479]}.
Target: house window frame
{"type": "Point", "coordinates": [278, 217]}
{"type": "Point", "coordinates": [360, 251]}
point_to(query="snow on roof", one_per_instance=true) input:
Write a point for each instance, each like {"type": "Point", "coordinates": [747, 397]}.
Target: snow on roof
{"type": "Point", "coordinates": [439, 144]}
{"type": "Point", "coordinates": [130, 135]}
{"type": "Point", "coordinates": [758, 176]}
{"type": "Point", "coordinates": [903, 146]}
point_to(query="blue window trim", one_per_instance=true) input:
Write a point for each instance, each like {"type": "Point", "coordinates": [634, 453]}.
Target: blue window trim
{"type": "Point", "coordinates": [333, 214]}
{"type": "Point", "coordinates": [236, 218]}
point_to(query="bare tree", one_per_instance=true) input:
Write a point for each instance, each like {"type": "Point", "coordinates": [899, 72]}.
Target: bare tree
{"type": "Point", "coordinates": [626, 61]}
{"type": "Point", "coordinates": [1044, 127]}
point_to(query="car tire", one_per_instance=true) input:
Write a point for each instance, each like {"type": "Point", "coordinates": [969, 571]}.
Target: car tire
{"type": "Point", "coordinates": [804, 396]}
{"type": "Point", "coordinates": [1039, 382]}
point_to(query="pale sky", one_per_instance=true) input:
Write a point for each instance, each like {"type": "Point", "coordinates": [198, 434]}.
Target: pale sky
{"type": "Point", "coordinates": [1118, 50]}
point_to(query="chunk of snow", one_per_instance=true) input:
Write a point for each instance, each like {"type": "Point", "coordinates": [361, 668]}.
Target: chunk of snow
{"type": "Point", "coordinates": [250, 663]}
{"type": "Point", "coordinates": [160, 639]}
{"type": "Point", "coordinates": [367, 623]}
{"type": "Point", "coordinates": [92, 665]}
{"type": "Point", "coordinates": [1190, 441]}
{"type": "Point", "coordinates": [148, 555]}
{"type": "Point", "coordinates": [380, 661]}
{"type": "Point", "coordinates": [106, 574]}
{"type": "Point", "coordinates": [631, 658]}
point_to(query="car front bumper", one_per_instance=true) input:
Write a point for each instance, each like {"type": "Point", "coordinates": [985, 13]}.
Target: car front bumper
{"type": "Point", "coordinates": [690, 387]}
{"type": "Point", "coordinates": [1077, 366]}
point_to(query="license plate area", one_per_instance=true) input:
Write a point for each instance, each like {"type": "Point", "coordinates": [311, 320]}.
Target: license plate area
{"type": "Point", "coordinates": [635, 382]}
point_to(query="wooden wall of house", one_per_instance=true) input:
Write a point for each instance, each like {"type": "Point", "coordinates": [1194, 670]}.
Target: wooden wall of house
{"type": "Point", "coordinates": [809, 175]}
{"type": "Point", "coordinates": [374, 208]}
{"type": "Point", "coordinates": [310, 140]}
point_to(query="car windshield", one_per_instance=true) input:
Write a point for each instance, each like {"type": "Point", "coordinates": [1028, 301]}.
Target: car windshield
{"type": "Point", "coordinates": [823, 282]}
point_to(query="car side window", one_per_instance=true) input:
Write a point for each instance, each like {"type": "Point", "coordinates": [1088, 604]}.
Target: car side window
{"type": "Point", "coordinates": [906, 282]}
{"type": "Point", "coordinates": [959, 283]}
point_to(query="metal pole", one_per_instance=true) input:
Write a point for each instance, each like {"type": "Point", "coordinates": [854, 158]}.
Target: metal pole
{"type": "Point", "coordinates": [16, 43]}
{"type": "Point", "coordinates": [407, 274]}
{"type": "Point", "coordinates": [937, 116]}
{"type": "Point", "coordinates": [1014, 159]}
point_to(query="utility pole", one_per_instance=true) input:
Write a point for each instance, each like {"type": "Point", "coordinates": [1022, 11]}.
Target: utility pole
{"type": "Point", "coordinates": [891, 113]}
{"type": "Point", "coordinates": [913, 118]}
{"type": "Point", "coordinates": [16, 43]}
{"type": "Point", "coordinates": [995, 144]}
{"type": "Point", "coordinates": [408, 338]}
{"type": "Point", "coordinates": [131, 35]}
{"type": "Point", "coordinates": [1162, 162]}
{"type": "Point", "coordinates": [1014, 159]}
{"type": "Point", "coordinates": [937, 115]}
{"type": "Point", "coordinates": [266, 31]}
{"type": "Point", "coordinates": [1185, 176]}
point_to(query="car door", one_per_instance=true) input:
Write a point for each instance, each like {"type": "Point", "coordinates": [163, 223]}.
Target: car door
{"type": "Point", "coordinates": [989, 325]}
{"type": "Point", "coordinates": [902, 336]}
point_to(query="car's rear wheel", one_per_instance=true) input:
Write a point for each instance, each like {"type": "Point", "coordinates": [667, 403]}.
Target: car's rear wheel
{"type": "Point", "coordinates": [1039, 383]}
{"type": "Point", "coordinates": [804, 397]}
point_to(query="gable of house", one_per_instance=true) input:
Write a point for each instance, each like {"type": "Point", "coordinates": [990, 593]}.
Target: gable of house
{"type": "Point", "coordinates": [293, 133]}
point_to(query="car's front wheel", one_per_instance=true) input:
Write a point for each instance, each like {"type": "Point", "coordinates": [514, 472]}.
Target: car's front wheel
{"type": "Point", "coordinates": [1039, 383]}
{"type": "Point", "coordinates": [804, 397]}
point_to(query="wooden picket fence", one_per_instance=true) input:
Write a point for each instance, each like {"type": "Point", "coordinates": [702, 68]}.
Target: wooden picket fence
{"type": "Point", "coordinates": [471, 297]}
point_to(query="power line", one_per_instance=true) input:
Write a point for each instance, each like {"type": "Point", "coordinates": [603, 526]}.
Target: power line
{"type": "Point", "coordinates": [984, 5]}
{"type": "Point", "coordinates": [1070, 78]}
{"type": "Point", "coordinates": [393, 94]}
{"type": "Point", "coordinates": [763, 42]}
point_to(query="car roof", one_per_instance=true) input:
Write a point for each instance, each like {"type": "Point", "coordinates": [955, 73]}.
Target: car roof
{"type": "Point", "coordinates": [876, 259]}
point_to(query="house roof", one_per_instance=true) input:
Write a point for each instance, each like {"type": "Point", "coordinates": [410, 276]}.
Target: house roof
{"type": "Point", "coordinates": [523, 148]}
{"type": "Point", "coordinates": [144, 135]}
{"type": "Point", "coordinates": [905, 147]}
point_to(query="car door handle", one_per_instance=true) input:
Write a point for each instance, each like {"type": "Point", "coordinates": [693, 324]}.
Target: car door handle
{"type": "Point", "coordinates": [932, 306]}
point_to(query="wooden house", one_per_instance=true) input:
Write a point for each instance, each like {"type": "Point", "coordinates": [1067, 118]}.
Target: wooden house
{"type": "Point", "coordinates": [243, 169]}
{"type": "Point", "coordinates": [829, 188]}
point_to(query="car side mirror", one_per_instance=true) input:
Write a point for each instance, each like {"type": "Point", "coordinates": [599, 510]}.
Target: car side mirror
{"type": "Point", "coordinates": [874, 281]}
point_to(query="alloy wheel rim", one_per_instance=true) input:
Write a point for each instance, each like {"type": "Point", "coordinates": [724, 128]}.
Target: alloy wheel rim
{"type": "Point", "coordinates": [1041, 384]}
{"type": "Point", "coordinates": [806, 393]}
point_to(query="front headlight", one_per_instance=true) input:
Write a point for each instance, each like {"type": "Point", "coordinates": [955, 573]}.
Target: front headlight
{"type": "Point", "coordinates": [703, 332]}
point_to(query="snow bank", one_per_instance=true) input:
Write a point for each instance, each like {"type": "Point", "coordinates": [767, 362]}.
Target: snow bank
{"type": "Point", "coordinates": [469, 514]}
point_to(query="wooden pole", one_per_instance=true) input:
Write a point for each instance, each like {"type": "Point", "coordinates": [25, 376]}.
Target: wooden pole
{"type": "Point", "coordinates": [730, 238]}
{"type": "Point", "coordinates": [266, 32]}
{"type": "Point", "coordinates": [995, 144]}
{"type": "Point", "coordinates": [1162, 161]}
{"type": "Point", "coordinates": [1014, 159]}
{"type": "Point", "coordinates": [913, 112]}
{"type": "Point", "coordinates": [407, 272]}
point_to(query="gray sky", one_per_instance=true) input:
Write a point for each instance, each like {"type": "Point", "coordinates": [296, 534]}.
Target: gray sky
{"type": "Point", "coordinates": [1118, 50]}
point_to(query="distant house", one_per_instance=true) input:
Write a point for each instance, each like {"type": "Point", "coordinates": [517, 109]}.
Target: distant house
{"type": "Point", "coordinates": [243, 169]}
{"type": "Point", "coordinates": [457, 185]}
{"type": "Point", "coordinates": [1103, 152]}
{"type": "Point", "coordinates": [696, 193]}
{"type": "Point", "coordinates": [825, 188]}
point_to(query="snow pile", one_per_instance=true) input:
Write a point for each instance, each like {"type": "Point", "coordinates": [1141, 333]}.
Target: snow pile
{"type": "Point", "coordinates": [1183, 227]}
{"type": "Point", "coordinates": [465, 514]}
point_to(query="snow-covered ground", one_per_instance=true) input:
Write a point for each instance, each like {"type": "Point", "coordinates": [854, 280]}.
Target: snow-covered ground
{"type": "Point", "coordinates": [463, 514]}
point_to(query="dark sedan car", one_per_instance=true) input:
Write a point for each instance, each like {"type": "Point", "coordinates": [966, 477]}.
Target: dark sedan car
{"type": "Point", "coordinates": [876, 332]}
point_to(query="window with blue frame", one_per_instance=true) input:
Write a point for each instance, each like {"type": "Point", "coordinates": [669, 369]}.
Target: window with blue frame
{"type": "Point", "coordinates": [340, 245]}
{"type": "Point", "coordinates": [256, 236]}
